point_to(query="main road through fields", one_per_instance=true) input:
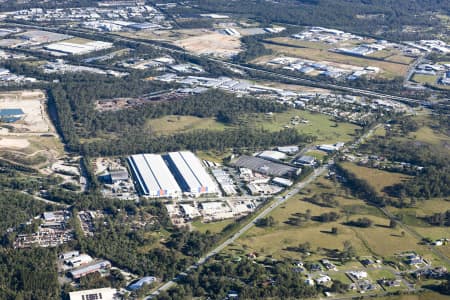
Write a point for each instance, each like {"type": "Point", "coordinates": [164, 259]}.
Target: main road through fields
{"type": "Point", "coordinates": [278, 201]}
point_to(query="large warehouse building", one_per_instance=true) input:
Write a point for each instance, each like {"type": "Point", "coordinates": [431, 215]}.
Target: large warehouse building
{"type": "Point", "coordinates": [153, 176]}
{"type": "Point", "coordinates": [190, 173]}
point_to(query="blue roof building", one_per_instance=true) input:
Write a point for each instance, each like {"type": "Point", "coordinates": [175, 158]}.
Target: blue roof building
{"type": "Point", "coordinates": [141, 282]}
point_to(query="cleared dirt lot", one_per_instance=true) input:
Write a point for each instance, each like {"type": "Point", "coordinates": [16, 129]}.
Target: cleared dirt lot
{"type": "Point", "coordinates": [14, 143]}
{"type": "Point", "coordinates": [212, 43]}
{"type": "Point", "coordinates": [32, 103]}
{"type": "Point", "coordinates": [31, 141]}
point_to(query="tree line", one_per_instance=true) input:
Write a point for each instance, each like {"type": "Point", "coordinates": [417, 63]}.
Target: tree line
{"type": "Point", "coordinates": [72, 104]}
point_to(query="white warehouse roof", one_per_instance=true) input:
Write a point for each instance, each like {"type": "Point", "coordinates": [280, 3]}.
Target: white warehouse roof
{"type": "Point", "coordinates": [104, 294]}
{"type": "Point", "coordinates": [190, 173]}
{"type": "Point", "coordinates": [78, 49]}
{"type": "Point", "coordinates": [272, 155]}
{"type": "Point", "coordinates": [153, 176]}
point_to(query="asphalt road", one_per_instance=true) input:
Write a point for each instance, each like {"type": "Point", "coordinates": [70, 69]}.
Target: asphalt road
{"type": "Point", "coordinates": [301, 81]}
{"type": "Point", "coordinates": [278, 201]}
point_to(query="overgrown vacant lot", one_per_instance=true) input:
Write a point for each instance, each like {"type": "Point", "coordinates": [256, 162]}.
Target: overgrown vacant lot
{"type": "Point", "coordinates": [174, 124]}
{"type": "Point", "coordinates": [414, 217]}
{"type": "Point", "coordinates": [429, 131]}
{"type": "Point", "coordinates": [377, 178]}
{"type": "Point", "coordinates": [319, 125]}
{"type": "Point", "coordinates": [282, 239]}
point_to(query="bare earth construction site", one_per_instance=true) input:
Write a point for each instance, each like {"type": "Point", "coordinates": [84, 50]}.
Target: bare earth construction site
{"type": "Point", "coordinates": [27, 135]}
{"type": "Point", "coordinates": [33, 120]}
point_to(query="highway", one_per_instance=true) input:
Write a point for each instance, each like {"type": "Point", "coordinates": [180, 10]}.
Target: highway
{"type": "Point", "coordinates": [302, 81]}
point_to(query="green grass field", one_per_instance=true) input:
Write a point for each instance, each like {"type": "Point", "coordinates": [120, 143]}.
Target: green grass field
{"type": "Point", "coordinates": [412, 217]}
{"type": "Point", "coordinates": [319, 155]}
{"type": "Point", "coordinates": [420, 78]}
{"type": "Point", "coordinates": [377, 178]}
{"type": "Point", "coordinates": [213, 155]}
{"type": "Point", "coordinates": [214, 227]}
{"type": "Point", "coordinates": [430, 80]}
{"type": "Point", "coordinates": [429, 131]}
{"type": "Point", "coordinates": [428, 135]}
{"type": "Point", "coordinates": [319, 125]}
{"type": "Point", "coordinates": [174, 124]}
{"type": "Point", "coordinates": [280, 240]}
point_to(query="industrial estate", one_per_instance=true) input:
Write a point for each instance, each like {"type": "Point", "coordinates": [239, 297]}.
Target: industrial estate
{"type": "Point", "coordinates": [224, 150]}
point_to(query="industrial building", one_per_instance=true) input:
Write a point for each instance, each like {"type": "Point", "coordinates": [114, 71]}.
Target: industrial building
{"type": "Point", "coordinates": [282, 182]}
{"type": "Point", "coordinates": [94, 294]}
{"type": "Point", "coordinates": [190, 173]}
{"type": "Point", "coordinates": [289, 149]}
{"type": "Point", "coordinates": [265, 167]}
{"type": "Point", "coordinates": [79, 260]}
{"type": "Point", "coordinates": [141, 282]}
{"type": "Point", "coordinates": [305, 160]}
{"type": "Point", "coordinates": [70, 254]}
{"type": "Point", "coordinates": [272, 155]}
{"type": "Point", "coordinates": [78, 49]}
{"type": "Point", "coordinates": [98, 266]}
{"type": "Point", "coordinates": [153, 176]}
{"type": "Point", "coordinates": [118, 175]}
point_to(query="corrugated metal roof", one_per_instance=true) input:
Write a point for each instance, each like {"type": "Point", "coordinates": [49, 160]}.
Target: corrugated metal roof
{"type": "Point", "coordinates": [192, 182]}
{"type": "Point", "coordinates": [153, 175]}
{"type": "Point", "coordinates": [145, 173]}
{"type": "Point", "coordinates": [162, 174]}
{"type": "Point", "coordinates": [199, 171]}
{"type": "Point", "coordinates": [193, 173]}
